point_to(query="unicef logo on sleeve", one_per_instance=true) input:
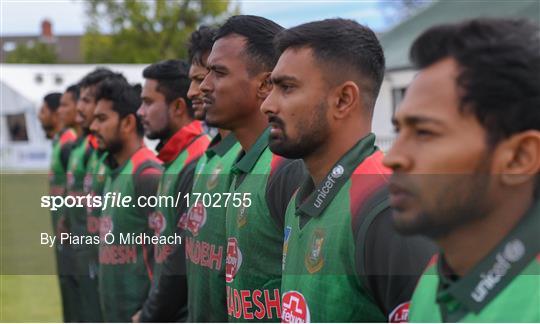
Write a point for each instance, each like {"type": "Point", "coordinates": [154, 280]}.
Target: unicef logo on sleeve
{"type": "Point", "coordinates": [337, 171]}
{"type": "Point", "coordinates": [514, 250]}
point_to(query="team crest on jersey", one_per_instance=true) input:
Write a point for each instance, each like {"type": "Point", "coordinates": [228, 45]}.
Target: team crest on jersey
{"type": "Point", "coordinates": [194, 219]}
{"type": "Point", "coordinates": [157, 222]}
{"type": "Point", "coordinates": [105, 225]}
{"type": "Point", "coordinates": [213, 179]}
{"type": "Point", "coordinates": [285, 245]}
{"type": "Point", "coordinates": [294, 308]}
{"type": "Point", "coordinates": [241, 216]}
{"type": "Point", "coordinates": [400, 314]}
{"type": "Point", "coordinates": [234, 259]}
{"type": "Point", "coordinates": [314, 260]}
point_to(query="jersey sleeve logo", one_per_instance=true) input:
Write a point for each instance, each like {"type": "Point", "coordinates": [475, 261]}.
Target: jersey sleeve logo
{"type": "Point", "coordinates": [314, 260]}
{"type": "Point", "coordinates": [234, 259]}
{"type": "Point", "coordinates": [294, 308]}
{"type": "Point", "coordinates": [400, 314]}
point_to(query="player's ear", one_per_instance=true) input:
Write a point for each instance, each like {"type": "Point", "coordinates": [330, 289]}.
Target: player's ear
{"type": "Point", "coordinates": [128, 124]}
{"type": "Point", "coordinates": [518, 158]}
{"type": "Point", "coordinates": [265, 85]}
{"type": "Point", "coordinates": [177, 107]}
{"type": "Point", "coordinates": [345, 99]}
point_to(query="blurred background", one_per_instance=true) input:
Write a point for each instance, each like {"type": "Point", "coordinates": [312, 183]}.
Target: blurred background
{"type": "Point", "coordinates": [46, 46]}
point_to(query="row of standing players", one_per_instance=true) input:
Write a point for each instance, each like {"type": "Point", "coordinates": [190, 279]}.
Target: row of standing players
{"type": "Point", "coordinates": [316, 242]}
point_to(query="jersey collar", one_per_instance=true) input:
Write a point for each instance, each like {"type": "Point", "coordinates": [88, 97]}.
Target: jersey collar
{"type": "Point", "coordinates": [247, 161]}
{"type": "Point", "coordinates": [507, 260]}
{"type": "Point", "coordinates": [220, 146]}
{"type": "Point", "coordinates": [169, 150]}
{"type": "Point", "coordinates": [312, 201]}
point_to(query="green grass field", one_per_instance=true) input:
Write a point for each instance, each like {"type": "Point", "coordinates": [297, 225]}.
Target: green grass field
{"type": "Point", "coordinates": [28, 287]}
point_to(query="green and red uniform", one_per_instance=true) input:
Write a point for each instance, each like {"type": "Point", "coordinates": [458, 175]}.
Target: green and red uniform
{"type": "Point", "coordinates": [502, 287]}
{"type": "Point", "coordinates": [80, 169]}
{"type": "Point", "coordinates": [125, 268]}
{"type": "Point", "coordinates": [342, 259]}
{"type": "Point", "coordinates": [179, 155]}
{"type": "Point", "coordinates": [204, 232]}
{"type": "Point", "coordinates": [255, 231]}
{"type": "Point", "coordinates": [61, 149]}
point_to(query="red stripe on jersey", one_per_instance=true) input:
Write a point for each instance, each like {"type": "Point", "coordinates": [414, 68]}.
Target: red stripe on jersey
{"type": "Point", "coordinates": [178, 142]}
{"type": "Point", "coordinates": [275, 163]}
{"type": "Point", "coordinates": [142, 155]}
{"type": "Point", "coordinates": [366, 180]}
{"type": "Point", "coordinates": [92, 140]}
{"type": "Point", "coordinates": [68, 136]}
{"type": "Point", "coordinates": [197, 148]}
{"type": "Point", "coordinates": [147, 264]}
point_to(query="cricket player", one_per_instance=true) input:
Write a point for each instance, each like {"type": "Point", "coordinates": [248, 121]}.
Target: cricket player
{"type": "Point", "coordinates": [466, 164]}
{"type": "Point", "coordinates": [240, 63]}
{"type": "Point", "coordinates": [342, 259]}
{"type": "Point", "coordinates": [54, 126]}
{"type": "Point", "coordinates": [204, 226]}
{"type": "Point", "coordinates": [167, 115]}
{"type": "Point", "coordinates": [80, 166]}
{"type": "Point", "coordinates": [125, 265]}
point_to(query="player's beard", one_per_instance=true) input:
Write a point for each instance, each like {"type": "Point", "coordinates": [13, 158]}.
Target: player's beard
{"type": "Point", "coordinates": [311, 134]}
{"type": "Point", "coordinates": [115, 145]}
{"type": "Point", "coordinates": [457, 201]}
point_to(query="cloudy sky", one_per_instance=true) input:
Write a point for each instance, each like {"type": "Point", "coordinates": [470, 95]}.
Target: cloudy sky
{"type": "Point", "coordinates": [23, 17]}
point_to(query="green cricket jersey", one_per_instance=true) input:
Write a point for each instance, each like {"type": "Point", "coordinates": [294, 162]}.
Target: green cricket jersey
{"type": "Point", "coordinates": [263, 183]}
{"type": "Point", "coordinates": [125, 267]}
{"type": "Point", "coordinates": [503, 287]}
{"type": "Point", "coordinates": [185, 146]}
{"type": "Point", "coordinates": [57, 173]}
{"type": "Point", "coordinates": [342, 259]}
{"type": "Point", "coordinates": [94, 182]}
{"type": "Point", "coordinates": [76, 173]}
{"type": "Point", "coordinates": [204, 233]}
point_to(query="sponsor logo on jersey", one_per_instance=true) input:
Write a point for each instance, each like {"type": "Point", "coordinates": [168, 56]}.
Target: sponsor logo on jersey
{"type": "Point", "coordinates": [294, 308]}
{"type": "Point", "coordinates": [241, 216]}
{"type": "Point", "coordinates": [234, 259]}
{"type": "Point", "coordinates": [400, 314]}
{"type": "Point", "coordinates": [157, 222]}
{"type": "Point", "coordinates": [213, 179]}
{"type": "Point", "coordinates": [512, 252]}
{"type": "Point", "coordinates": [105, 225]}
{"type": "Point", "coordinates": [314, 260]}
{"type": "Point", "coordinates": [285, 245]}
{"type": "Point", "coordinates": [327, 185]}
{"type": "Point", "coordinates": [194, 219]}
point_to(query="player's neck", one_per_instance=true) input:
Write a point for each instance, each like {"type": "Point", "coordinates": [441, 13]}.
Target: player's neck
{"type": "Point", "coordinates": [129, 148]}
{"type": "Point", "coordinates": [466, 246]}
{"type": "Point", "coordinates": [321, 161]}
{"type": "Point", "coordinates": [250, 130]}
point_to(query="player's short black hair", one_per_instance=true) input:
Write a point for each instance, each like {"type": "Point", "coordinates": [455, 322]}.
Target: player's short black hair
{"type": "Point", "coordinates": [499, 70]}
{"type": "Point", "coordinates": [95, 77]}
{"type": "Point", "coordinates": [126, 98]}
{"type": "Point", "coordinates": [200, 43]}
{"type": "Point", "coordinates": [173, 80]}
{"type": "Point", "coordinates": [341, 47]}
{"type": "Point", "coordinates": [259, 33]}
{"type": "Point", "coordinates": [75, 91]}
{"type": "Point", "coordinates": [52, 100]}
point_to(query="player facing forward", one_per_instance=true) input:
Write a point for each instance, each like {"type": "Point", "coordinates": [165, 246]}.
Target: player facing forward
{"type": "Point", "coordinates": [466, 162]}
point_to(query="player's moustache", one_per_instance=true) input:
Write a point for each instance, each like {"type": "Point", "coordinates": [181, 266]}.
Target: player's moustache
{"type": "Point", "coordinates": [276, 122]}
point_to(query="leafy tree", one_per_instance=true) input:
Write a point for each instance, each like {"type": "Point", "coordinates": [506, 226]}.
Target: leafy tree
{"type": "Point", "coordinates": [145, 31]}
{"type": "Point", "coordinates": [34, 52]}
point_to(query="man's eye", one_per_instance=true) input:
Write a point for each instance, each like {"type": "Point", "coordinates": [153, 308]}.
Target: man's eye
{"type": "Point", "coordinates": [424, 133]}
{"type": "Point", "coordinates": [286, 88]}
